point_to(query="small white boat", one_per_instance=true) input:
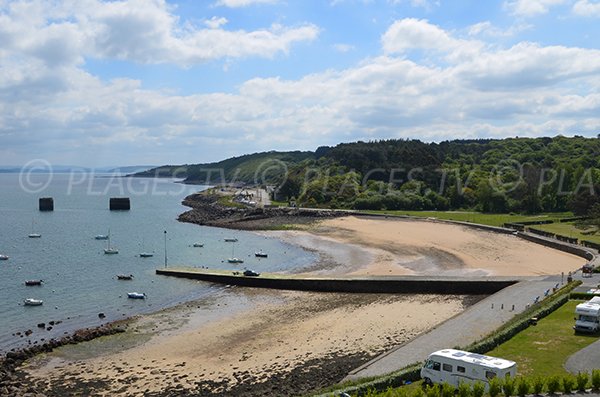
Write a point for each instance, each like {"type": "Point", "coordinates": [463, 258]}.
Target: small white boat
{"type": "Point", "coordinates": [110, 250]}
{"type": "Point", "coordinates": [33, 234]}
{"type": "Point", "coordinates": [33, 302]}
{"type": "Point", "coordinates": [260, 254]}
{"type": "Point", "coordinates": [101, 237]}
{"type": "Point", "coordinates": [136, 295]}
{"type": "Point", "coordinates": [231, 239]}
{"type": "Point", "coordinates": [198, 245]}
{"type": "Point", "coordinates": [146, 255]}
{"type": "Point", "coordinates": [235, 260]}
{"type": "Point", "coordinates": [3, 257]}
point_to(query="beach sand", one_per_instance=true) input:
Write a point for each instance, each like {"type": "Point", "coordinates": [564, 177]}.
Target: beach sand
{"type": "Point", "coordinates": [376, 246]}
{"type": "Point", "coordinates": [288, 343]}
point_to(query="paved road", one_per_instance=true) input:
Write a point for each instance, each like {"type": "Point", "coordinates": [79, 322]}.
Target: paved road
{"type": "Point", "coordinates": [465, 328]}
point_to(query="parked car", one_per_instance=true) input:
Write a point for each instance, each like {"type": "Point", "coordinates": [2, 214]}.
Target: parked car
{"type": "Point", "coordinates": [251, 273]}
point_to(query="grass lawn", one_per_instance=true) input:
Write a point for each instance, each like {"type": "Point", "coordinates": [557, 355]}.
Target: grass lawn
{"type": "Point", "coordinates": [568, 229]}
{"type": "Point", "coordinates": [543, 349]}
{"type": "Point", "coordinates": [478, 217]}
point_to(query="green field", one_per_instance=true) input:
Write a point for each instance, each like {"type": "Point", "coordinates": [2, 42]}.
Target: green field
{"type": "Point", "coordinates": [568, 229]}
{"type": "Point", "coordinates": [543, 349]}
{"type": "Point", "coordinates": [478, 217]}
{"type": "Point", "coordinates": [539, 350]}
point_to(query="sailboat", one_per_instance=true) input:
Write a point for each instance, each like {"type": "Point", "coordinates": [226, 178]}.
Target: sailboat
{"type": "Point", "coordinates": [33, 234]}
{"type": "Point", "coordinates": [110, 250]}
{"type": "Point", "coordinates": [233, 259]}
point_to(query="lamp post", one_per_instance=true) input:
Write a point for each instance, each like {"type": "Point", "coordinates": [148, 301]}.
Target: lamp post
{"type": "Point", "coordinates": [165, 248]}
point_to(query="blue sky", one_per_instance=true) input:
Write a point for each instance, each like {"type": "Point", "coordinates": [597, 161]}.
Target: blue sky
{"type": "Point", "coordinates": [96, 83]}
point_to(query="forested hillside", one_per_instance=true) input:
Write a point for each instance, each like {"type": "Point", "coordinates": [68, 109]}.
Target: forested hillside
{"type": "Point", "coordinates": [507, 175]}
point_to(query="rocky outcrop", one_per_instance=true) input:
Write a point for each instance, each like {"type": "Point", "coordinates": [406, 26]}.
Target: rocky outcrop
{"type": "Point", "coordinates": [206, 210]}
{"type": "Point", "coordinates": [15, 383]}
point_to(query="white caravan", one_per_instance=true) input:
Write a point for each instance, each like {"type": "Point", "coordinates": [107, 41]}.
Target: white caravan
{"type": "Point", "coordinates": [588, 316]}
{"type": "Point", "coordinates": [456, 366]}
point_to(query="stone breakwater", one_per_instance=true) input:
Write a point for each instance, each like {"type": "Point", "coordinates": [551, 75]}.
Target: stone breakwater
{"type": "Point", "coordinates": [206, 210]}
{"type": "Point", "coordinates": [14, 383]}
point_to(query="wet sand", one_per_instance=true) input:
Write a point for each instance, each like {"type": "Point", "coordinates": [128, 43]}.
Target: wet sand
{"type": "Point", "coordinates": [261, 342]}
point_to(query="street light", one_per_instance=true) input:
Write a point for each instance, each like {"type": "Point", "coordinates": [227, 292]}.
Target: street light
{"type": "Point", "coordinates": [165, 248]}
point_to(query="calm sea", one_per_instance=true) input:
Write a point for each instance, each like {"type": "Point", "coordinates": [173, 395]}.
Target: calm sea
{"type": "Point", "coordinates": [79, 279]}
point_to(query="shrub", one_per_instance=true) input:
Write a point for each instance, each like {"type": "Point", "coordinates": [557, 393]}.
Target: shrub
{"type": "Point", "coordinates": [478, 389]}
{"type": "Point", "coordinates": [553, 384]}
{"type": "Point", "coordinates": [582, 381]}
{"type": "Point", "coordinates": [538, 385]}
{"type": "Point", "coordinates": [568, 382]}
{"type": "Point", "coordinates": [508, 387]}
{"type": "Point", "coordinates": [495, 387]}
{"type": "Point", "coordinates": [418, 392]}
{"type": "Point", "coordinates": [523, 387]}
{"type": "Point", "coordinates": [596, 379]}
{"type": "Point", "coordinates": [432, 391]}
{"type": "Point", "coordinates": [447, 390]}
{"type": "Point", "coordinates": [464, 390]}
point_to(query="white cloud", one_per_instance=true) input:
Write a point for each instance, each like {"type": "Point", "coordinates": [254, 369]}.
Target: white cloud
{"type": "Point", "coordinates": [413, 33]}
{"type": "Point", "coordinates": [486, 28]}
{"type": "Point", "coordinates": [340, 47]}
{"type": "Point", "coordinates": [529, 8]}
{"type": "Point", "coordinates": [215, 22]}
{"type": "Point", "coordinates": [143, 31]}
{"type": "Point", "coordinates": [243, 3]}
{"type": "Point", "coordinates": [418, 34]}
{"type": "Point", "coordinates": [427, 4]}
{"type": "Point", "coordinates": [585, 8]}
{"type": "Point", "coordinates": [477, 90]}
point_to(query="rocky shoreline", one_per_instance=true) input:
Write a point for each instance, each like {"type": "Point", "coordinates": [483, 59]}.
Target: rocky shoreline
{"type": "Point", "coordinates": [206, 210]}
{"type": "Point", "coordinates": [15, 383]}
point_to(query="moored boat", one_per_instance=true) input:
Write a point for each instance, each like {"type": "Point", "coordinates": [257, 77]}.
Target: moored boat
{"type": "Point", "coordinates": [110, 250]}
{"type": "Point", "coordinates": [230, 239]}
{"type": "Point", "coordinates": [146, 255]}
{"type": "Point", "coordinates": [198, 245]}
{"type": "Point", "coordinates": [33, 282]}
{"type": "Point", "coordinates": [136, 295]}
{"type": "Point", "coordinates": [33, 234]}
{"type": "Point", "coordinates": [260, 254]}
{"type": "Point", "coordinates": [235, 260]}
{"type": "Point", "coordinates": [33, 302]}
{"type": "Point", "coordinates": [124, 277]}
{"type": "Point", "coordinates": [101, 237]}
{"type": "Point", "coordinates": [3, 257]}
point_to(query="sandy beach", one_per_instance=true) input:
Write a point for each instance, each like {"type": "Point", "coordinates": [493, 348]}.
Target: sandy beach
{"type": "Point", "coordinates": [380, 246]}
{"type": "Point", "coordinates": [288, 343]}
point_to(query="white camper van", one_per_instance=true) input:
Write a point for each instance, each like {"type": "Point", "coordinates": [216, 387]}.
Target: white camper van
{"type": "Point", "coordinates": [588, 316]}
{"type": "Point", "coordinates": [457, 366]}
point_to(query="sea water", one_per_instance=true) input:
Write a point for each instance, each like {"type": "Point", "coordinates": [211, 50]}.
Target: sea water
{"type": "Point", "coordinates": [80, 279]}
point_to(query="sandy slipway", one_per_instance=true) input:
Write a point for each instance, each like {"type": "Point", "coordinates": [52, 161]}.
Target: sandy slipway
{"type": "Point", "coordinates": [206, 210]}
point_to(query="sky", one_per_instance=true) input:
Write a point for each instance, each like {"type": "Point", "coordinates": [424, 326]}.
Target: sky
{"type": "Point", "coordinates": [99, 83]}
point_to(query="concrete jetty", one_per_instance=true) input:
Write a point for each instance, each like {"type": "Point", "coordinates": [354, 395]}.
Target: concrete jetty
{"type": "Point", "coordinates": [364, 284]}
